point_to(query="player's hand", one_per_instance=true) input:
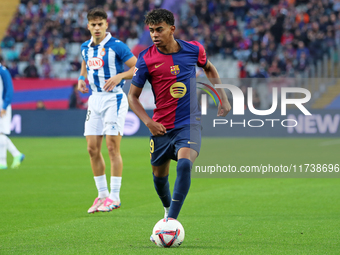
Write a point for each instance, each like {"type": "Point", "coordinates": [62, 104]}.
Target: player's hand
{"type": "Point", "coordinates": [156, 129]}
{"type": "Point", "coordinates": [112, 83]}
{"type": "Point", "coordinates": [82, 87]}
{"type": "Point", "coordinates": [2, 113]}
{"type": "Point", "coordinates": [224, 109]}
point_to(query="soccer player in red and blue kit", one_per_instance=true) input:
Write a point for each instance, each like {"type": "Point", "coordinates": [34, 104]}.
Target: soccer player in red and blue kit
{"type": "Point", "coordinates": [169, 65]}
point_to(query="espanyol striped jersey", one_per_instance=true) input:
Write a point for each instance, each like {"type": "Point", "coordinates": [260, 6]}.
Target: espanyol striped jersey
{"type": "Point", "coordinates": [6, 87]}
{"type": "Point", "coordinates": [173, 80]}
{"type": "Point", "coordinates": [104, 61]}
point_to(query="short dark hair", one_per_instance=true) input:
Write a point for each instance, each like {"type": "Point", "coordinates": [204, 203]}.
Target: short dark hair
{"type": "Point", "coordinates": [96, 12]}
{"type": "Point", "coordinates": [158, 16]}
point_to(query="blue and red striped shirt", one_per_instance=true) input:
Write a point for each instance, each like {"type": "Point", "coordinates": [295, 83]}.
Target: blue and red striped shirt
{"type": "Point", "coordinates": [173, 80]}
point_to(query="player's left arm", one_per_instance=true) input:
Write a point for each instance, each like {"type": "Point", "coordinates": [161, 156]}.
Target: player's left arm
{"type": "Point", "coordinates": [124, 53]}
{"type": "Point", "coordinates": [115, 80]}
{"type": "Point", "coordinates": [8, 90]}
{"type": "Point", "coordinates": [213, 76]}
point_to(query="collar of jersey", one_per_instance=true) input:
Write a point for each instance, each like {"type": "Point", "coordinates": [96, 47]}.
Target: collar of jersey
{"type": "Point", "coordinates": [180, 45]}
{"type": "Point", "coordinates": [102, 43]}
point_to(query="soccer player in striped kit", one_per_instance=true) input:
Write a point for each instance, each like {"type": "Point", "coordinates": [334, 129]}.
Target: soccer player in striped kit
{"type": "Point", "coordinates": [6, 94]}
{"type": "Point", "coordinates": [169, 65]}
{"type": "Point", "coordinates": [103, 60]}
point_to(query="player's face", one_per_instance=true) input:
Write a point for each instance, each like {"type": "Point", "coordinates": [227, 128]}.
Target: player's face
{"type": "Point", "coordinates": [97, 28]}
{"type": "Point", "coordinates": [161, 34]}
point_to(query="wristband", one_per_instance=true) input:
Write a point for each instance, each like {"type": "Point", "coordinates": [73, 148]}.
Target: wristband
{"type": "Point", "coordinates": [81, 78]}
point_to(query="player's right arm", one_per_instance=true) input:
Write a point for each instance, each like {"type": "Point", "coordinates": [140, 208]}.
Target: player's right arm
{"type": "Point", "coordinates": [140, 75]}
{"type": "Point", "coordinates": [155, 128]}
{"type": "Point", "coordinates": [81, 81]}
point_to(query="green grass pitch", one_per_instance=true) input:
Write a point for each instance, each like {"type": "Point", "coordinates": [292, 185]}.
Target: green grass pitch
{"type": "Point", "coordinates": [43, 204]}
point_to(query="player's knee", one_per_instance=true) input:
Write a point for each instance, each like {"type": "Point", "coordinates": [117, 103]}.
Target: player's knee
{"type": "Point", "coordinates": [93, 151]}
{"type": "Point", "coordinates": [184, 165]}
{"type": "Point", "coordinates": [113, 150]}
{"type": "Point", "coordinates": [159, 173]}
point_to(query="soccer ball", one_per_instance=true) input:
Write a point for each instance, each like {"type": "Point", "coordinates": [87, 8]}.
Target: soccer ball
{"type": "Point", "coordinates": [168, 233]}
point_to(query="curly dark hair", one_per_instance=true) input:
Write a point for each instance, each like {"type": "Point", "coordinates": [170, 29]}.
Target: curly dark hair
{"type": "Point", "coordinates": [97, 12]}
{"type": "Point", "coordinates": [159, 15]}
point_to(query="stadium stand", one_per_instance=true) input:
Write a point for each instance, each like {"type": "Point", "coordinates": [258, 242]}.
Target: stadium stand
{"type": "Point", "coordinates": [7, 10]}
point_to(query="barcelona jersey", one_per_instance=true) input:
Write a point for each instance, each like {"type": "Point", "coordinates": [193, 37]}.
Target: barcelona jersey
{"type": "Point", "coordinates": [172, 77]}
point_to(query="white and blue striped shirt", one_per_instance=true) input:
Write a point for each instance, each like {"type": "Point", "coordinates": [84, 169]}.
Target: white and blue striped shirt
{"type": "Point", "coordinates": [6, 88]}
{"type": "Point", "coordinates": [104, 61]}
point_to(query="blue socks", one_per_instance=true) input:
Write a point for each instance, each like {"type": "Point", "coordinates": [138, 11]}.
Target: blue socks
{"type": "Point", "coordinates": [163, 189]}
{"type": "Point", "coordinates": [181, 188]}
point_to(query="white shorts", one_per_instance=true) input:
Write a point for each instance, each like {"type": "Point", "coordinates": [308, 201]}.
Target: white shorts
{"type": "Point", "coordinates": [5, 122]}
{"type": "Point", "coordinates": [106, 113]}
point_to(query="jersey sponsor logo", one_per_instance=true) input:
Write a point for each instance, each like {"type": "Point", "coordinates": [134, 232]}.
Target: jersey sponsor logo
{"type": "Point", "coordinates": [95, 63]}
{"type": "Point", "coordinates": [135, 71]}
{"type": "Point", "coordinates": [174, 69]}
{"type": "Point", "coordinates": [156, 66]}
{"type": "Point", "coordinates": [178, 90]}
{"type": "Point", "coordinates": [111, 124]}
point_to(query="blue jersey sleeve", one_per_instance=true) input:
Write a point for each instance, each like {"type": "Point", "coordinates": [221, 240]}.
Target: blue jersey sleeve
{"type": "Point", "coordinates": [141, 73]}
{"type": "Point", "coordinates": [8, 87]}
{"type": "Point", "coordinates": [123, 51]}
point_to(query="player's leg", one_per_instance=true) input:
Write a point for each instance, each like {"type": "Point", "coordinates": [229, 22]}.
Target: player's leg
{"type": "Point", "coordinates": [160, 154]}
{"type": "Point", "coordinates": [5, 129]}
{"type": "Point", "coordinates": [114, 111]}
{"type": "Point", "coordinates": [18, 157]}
{"type": "Point", "coordinates": [161, 183]}
{"type": "Point", "coordinates": [94, 144]}
{"type": "Point", "coordinates": [3, 151]}
{"type": "Point", "coordinates": [98, 168]}
{"type": "Point", "coordinates": [113, 146]}
{"type": "Point", "coordinates": [160, 175]}
{"type": "Point", "coordinates": [186, 157]}
{"type": "Point", "coordinates": [187, 146]}
{"type": "Point", "coordinates": [94, 137]}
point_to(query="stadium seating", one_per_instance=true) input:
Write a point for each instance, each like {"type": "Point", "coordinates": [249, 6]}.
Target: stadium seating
{"type": "Point", "coordinates": [7, 10]}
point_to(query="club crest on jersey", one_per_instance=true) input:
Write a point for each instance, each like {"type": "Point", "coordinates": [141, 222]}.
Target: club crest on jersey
{"type": "Point", "coordinates": [174, 69]}
{"type": "Point", "coordinates": [95, 63]}
{"type": "Point", "coordinates": [103, 52]}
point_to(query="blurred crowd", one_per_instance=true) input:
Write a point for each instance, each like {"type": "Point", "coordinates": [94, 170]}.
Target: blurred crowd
{"type": "Point", "coordinates": [44, 28]}
{"type": "Point", "coordinates": [280, 36]}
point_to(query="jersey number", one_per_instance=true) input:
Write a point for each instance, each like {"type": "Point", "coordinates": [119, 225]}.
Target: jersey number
{"type": "Point", "coordinates": [88, 115]}
{"type": "Point", "coordinates": [152, 146]}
